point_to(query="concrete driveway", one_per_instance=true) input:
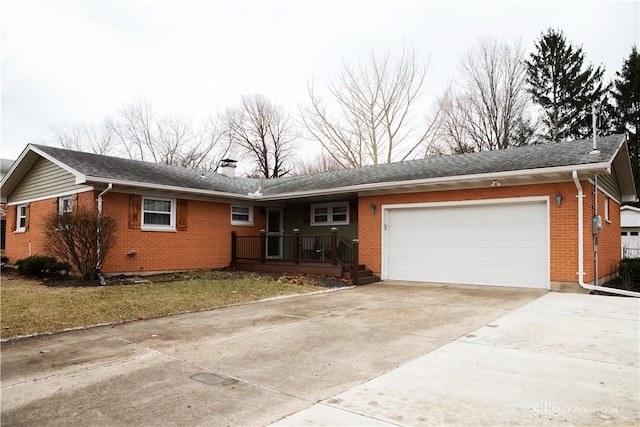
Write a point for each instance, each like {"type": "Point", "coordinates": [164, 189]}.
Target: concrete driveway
{"type": "Point", "coordinates": [384, 354]}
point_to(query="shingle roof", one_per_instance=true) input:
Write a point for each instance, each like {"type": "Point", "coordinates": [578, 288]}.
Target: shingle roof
{"type": "Point", "coordinates": [5, 165]}
{"type": "Point", "coordinates": [532, 157]}
{"type": "Point", "coordinates": [486, 162]}
{"type": "Point", "coordinates": [135, 171]}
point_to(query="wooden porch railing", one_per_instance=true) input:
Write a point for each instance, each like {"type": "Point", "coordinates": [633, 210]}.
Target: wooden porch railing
{"type": "Point", "coordinates": [296, 248]}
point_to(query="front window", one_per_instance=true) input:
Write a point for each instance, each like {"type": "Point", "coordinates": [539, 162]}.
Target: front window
{"type": "Point", "coordinates": [21, 220]}
{"type": "Point", "coordinates": [158, 214]}
{"type": "Point", "coordinates": [64, 204]}
{"type": "Point", "coordinates": [330, 214]}
{"type": "Point", "coordinates": [241, 215]}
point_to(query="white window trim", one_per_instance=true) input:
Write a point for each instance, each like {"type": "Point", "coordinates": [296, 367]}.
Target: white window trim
{"type": "Point", "coordinates": [60, 204]}
{"type": "Point", "coordinates": [330, 207]}
{"type": "Point", "coordinates": [152, 227]}
{"type": "Point", "coordinates": [18, 216]}
{"type": "Point", "coordinates": [238, 222]}
{"type": "Point", "coordinates": [606, 209]}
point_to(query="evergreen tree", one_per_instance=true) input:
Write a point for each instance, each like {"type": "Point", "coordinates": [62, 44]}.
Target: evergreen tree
{"type": "Point", "coordinates": [626, 94]}
{"type": "Point", "coordinates": [564, 88]}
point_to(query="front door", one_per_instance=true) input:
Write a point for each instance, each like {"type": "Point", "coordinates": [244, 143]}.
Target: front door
{"type": "Point", "coordinates": [274, 233]}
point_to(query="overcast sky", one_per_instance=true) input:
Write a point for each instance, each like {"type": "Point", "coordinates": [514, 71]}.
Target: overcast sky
{"type": "Point", "coordinates": [69, 61]}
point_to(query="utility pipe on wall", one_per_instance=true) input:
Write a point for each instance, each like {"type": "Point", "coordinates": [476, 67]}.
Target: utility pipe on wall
{"type": "Point", "coordinates": [580, 196]}
{"type": "Point", "coordinates": [595, 235]}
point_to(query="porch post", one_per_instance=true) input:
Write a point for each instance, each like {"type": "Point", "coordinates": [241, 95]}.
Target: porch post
{"type": "Point", "coordinates": [334, 246]}
{"type": "Point", "coordinates": [263, 246]}
{"type": "Point", "coordinates": [355, 268]}
{"type": "Point", "coordinates": [296, 246]}
{"type": "Point", "coordinates": [234, 246]}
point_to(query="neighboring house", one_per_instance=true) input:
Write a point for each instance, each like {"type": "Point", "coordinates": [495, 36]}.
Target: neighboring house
{"type": "Point", "coordinates": [630, 230]}
{"type": "Point", "coordinates": [518, 217]}
{"type": "Point", "coordinates": [5, 165]}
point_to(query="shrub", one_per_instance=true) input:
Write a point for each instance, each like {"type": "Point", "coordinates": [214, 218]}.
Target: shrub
{"type": "Point", "coordinates": [39, 265]}
{"type": "Point", "coordinates": [81, 238]}
{"type": "Point", "coordinates": [629, 271]}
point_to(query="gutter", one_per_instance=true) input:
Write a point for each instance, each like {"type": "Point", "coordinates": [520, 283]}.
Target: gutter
{"type": "Point", "coordinates": [574, 175]}
{"type": "Point", "coordinates": [98, 246]}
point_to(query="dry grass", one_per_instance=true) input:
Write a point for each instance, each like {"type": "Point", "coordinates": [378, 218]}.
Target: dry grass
{"type": "Point", "coordinates": [29, 306]}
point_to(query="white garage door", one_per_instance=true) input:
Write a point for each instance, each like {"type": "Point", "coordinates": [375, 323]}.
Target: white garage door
{"type": "Point", "coordinates": [487, 244]}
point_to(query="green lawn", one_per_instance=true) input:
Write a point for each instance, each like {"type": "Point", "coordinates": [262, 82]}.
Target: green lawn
{"type": "Point", "coordinates": [30, 306]}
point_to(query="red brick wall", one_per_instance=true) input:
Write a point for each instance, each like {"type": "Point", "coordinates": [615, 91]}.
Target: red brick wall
{"type": "Point", "coordinates": [206, 243]}
{"type": "Point", "coordinates": [17, 244]}
{"type": "Point", "coordinates": [609, 239]}
{"type": "Point", "coordinates": [563, 225]}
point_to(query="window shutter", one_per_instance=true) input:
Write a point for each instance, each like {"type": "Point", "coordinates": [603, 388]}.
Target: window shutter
{"type": "Point", "coordinates": [353, 211]}
{"type": "Point", "coordinates": [27, 215]}
{"type": "Point", "coordinates": [57, 203]}
{"type": "Point", "coordinates": [306, 215]}
{"type": "Point", "coordinates": [14, 224]}
{"type": "Point", "coordinates": [135, 208]}
{"type": "Point", "coordinates": [181, 214]}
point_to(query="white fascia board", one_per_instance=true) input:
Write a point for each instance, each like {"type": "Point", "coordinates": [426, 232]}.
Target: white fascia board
{"type": "Point", "coordinates": [15, 164]}
{"type": "Point", "coordinates": [170, 188]}
{"type": "Point", "coordinates": [80, 178]}
{"type": "Point", "coordinates": [591, 168]}
{"type": "Point", "coordinates": [630, 208]}
{"type": "Point", "coordinates": [52, 196]}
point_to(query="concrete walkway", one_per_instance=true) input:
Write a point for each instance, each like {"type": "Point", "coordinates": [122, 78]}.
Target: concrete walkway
{"type": "Point", "coordinates": [564, 359]}
{"type": "Point", "coordinates": [390, 353]}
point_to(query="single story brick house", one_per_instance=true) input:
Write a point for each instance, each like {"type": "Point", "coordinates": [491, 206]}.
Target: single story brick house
{"type": "Point", "coordinates": [523, 217]}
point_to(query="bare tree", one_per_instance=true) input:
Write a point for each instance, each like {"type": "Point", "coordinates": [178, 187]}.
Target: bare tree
{"type": "Point", "coordinates": [265, 132]}
{"type": "Point", "coordinates": [487, 110]}
{"type": "Point", "coordinates": [322, 162]}
{"type": "Point", "coordinates": [209, 145]}
{"type": "Point", "coordinates": [369, 118]}
{"type": "Point", "coordinates": [81, 238]}
{"type": "Point", "coordinates": [136, 128]}
{"type": "Point", "coordinates": [99, 139]}
{"type": "Point", "coordinates": [138, 133]}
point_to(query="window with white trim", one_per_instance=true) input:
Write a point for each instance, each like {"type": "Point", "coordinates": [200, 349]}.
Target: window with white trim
{"type": "Point", "coordinates": [21, 218]}
{"type": "Point", "coordinates": [606, 209]}
{"type": "Point", "coordinates": [241, 215]}
{"type": "Point", "coordinates": [65, 205]}
{"type": "Point", "coordinates": [158, 214]}
{"type": "Point", "coordinates": [330, 214]}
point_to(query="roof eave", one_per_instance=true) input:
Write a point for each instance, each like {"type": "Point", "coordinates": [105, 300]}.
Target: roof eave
{"type": "Point", "coordinates": [168, 188]}
{"type": "Point", "coordinates": [624, 171]}
{"type": "Point", "coordinates": [24, 162]}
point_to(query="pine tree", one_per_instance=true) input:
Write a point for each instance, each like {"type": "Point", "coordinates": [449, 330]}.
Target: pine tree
{"type": "Point", "coordinates": [626, 94]}
{"type": "Point", "coordinates": [564, 88]}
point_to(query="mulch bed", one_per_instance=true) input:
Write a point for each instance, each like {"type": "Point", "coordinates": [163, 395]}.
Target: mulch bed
{"type": "Point", "coordinates": [224, 274]}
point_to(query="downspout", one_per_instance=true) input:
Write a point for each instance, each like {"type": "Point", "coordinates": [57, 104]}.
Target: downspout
{"type": "Point", "coordinates": [580, 196]}
{"type": "Point", "coordinates": [98, 246]}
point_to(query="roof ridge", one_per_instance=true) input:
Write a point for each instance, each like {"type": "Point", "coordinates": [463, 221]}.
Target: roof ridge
{"type": "Point", "coordinates": [101, 168]}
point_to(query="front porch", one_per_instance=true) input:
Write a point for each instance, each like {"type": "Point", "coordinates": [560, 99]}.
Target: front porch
{"type": "Point", "coordinates": [319, 254]}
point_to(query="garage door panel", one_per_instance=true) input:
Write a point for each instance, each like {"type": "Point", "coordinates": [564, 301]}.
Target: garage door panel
{"type": "Point", "coordinates": [501, 244]}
